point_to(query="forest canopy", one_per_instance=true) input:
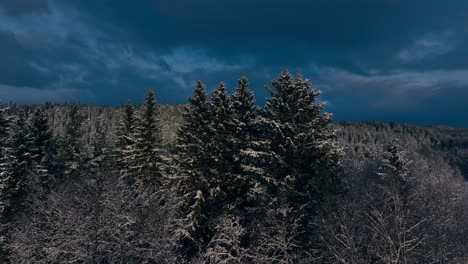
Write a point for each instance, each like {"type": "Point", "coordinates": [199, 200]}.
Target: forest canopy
{"type": "Point", "coordinates": [223, 180]}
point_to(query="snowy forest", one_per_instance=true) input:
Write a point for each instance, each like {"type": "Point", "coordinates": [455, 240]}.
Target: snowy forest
{"type": "Point", "coordinates": [224, 180]}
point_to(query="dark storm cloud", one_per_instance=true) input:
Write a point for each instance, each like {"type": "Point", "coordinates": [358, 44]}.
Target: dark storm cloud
{"type": "Point", "coordinates": [366, 31]}
{"type": "Point", "coordinates": [383, 59]}
{"type": "Point", "coordinates": [22, 7]}
{"type": "Point", "coordinates": [433, 97]}
{"type": "Point", "coordinates": [17, 66]}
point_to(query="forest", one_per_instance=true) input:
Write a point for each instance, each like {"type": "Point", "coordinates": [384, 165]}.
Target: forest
{"type": "Point", "coordinates": [224, 180]}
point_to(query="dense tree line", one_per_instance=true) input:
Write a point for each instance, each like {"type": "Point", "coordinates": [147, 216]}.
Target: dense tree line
{"type": "Point", "coordinates": [222, 180]}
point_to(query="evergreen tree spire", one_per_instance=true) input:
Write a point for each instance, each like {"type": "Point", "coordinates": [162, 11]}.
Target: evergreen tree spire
{"type": "Point", "coordinates": [71, 152]}
{"type": "Point", "coordinates": [126, 143]}
{"type": "Point", "coordinates": [249, 145]}
{"type": "Point", "coordinates": [40, 142]}
{"type": "Point", "coordinates": [8, 182]}
{"type": "Point", "coordinates": [40, 135]}
{"type": "Point", "coordinates": [194, 160]}
{"type": "Point", "coordinates": [304, 150]}
{"type": "Point", "coordinates": [99, 146]}
{"type": "Point", "coordinates": [20, 147]}
{"type": "Point", "coordinates": [221, 146]}
{"type": "Point", "coordinates": [395, 170]}
{"type": "Point", "coordinates": [215, 145]}
{"type": "Point", "coordinates": [148, 144]}
{"type": "Point", "coordinates": [6, 162]}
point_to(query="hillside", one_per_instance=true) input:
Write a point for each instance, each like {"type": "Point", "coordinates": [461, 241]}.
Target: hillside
{"type": "Point", "coordinates": [221, 180]}
{"type": "Point", "coordinates": [363, 139]}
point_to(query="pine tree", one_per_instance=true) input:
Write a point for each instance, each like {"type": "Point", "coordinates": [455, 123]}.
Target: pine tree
{"type": "Point", "coordinates": [250, 159]}
{"type": "Point", "coordinates": [397, 229]}
{"type": "Point", "coordinates": [14, 170]}
{"type": "Point", "coordinates": [40, 136]}
{"type": "Point", "coordinates": [148, 144]}
{"type": "Point", "coordinates": [304, 151]}
{"type": "Point", "coordinates": [14, 165]}
{"type": "Point", "coordinates": [8, 184]}
{"type": "Point", "coordinates": [99, 146]}
{"type": "Point", "coordinates": [71, 153]}
{"type": "Point", "coordinates": [194, 160]}
{"type": "Point", "coordinates": [22, 156]}
{"type": "Point", "coordinates": [218, 147]}
{"type": "Point", "coordinates": [40, 143]}
{"type": "Point", "coordinates": [126, 143]}
{"type": "Point", "coordinates": [394, 172]}
{"type": "Point", "coordinates": [221, 146]}
{"type": "Point", "coordinates": [249, 150]}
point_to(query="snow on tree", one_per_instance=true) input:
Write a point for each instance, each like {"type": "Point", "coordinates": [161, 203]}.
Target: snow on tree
{"type": "Point", "coordinates": [22, 161]}
{"type": "Point", "coordinates": [194, 169]}
{"type": "Point", "coordinates": [213, 177]}
{"type": "Point", "coordinates": [147, 161]}
{"type": "Point", "coordinates": [395, 170]}
{"type": "Point", "coordinates": [41, 145]}
{"type": "Point", "coordinates": [125, 152]}
{"type": "Point", "coordinates": [71, 153]}
{"type": "Point", "coordinates": [14, 166]}
{"type": "Point", "coordinates": [250, 148]}
{"type": "Point", "coordinates": [8, 184]}
{"type": "Point", "coordinates": [304, 151]}
{"type": "Point", "coordinates": [220, 148]}
{"type": "Point", "coordinates": [397, 229]}
{"type": "Point", "coordinates": [226, 244]}
{"type": "Point", "coordinates": [99, 146]}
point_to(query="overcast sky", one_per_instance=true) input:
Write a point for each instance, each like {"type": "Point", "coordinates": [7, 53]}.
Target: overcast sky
{"type": "Point", "coordinates": [373, 59]}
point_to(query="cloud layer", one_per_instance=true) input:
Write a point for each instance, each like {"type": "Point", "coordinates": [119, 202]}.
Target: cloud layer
{"type": "Point", "coordinates": [380, 59]}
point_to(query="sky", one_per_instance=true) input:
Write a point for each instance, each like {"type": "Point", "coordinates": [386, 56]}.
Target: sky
{"type": "Point", "coordinates": [389, 60]}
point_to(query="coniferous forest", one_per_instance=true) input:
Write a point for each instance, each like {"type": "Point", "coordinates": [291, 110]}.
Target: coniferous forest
{"type": "Point", "coordinates": [224, 180]}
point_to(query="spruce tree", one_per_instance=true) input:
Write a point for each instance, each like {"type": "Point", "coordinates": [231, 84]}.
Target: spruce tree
{"type": "Point", "coordinates": [8, 184]}
{"type": "Point", "coordinates": [41, 145]}
{"type": "Point", "coordinates": [305, 155]}
{"type": "Point", "coordinates": [394, 172]}
{"type": "Point", "coordinates": [148, 142]}
{"type": "Point", "coordinates": [194, 160]}
{"type": "Point", "coordinates": [126, 142]}
{"type": "Point", "coordinates": [22, 156]}
{"type": "Point", "coordinates": [14, 164]}
{"type": "Point", "coordinates": [221, 147]}
{"type": "Point", "coordinates": [71, 154]}
{"type": "Point", "coordinates": [40, 136]}
{"type": "Point", "coordinates": [14, 169]}
{"type": "Point", "coordinates": [397, 229]}
{"type": "Point", "coordinates": [99, 146]}
{"type": "Point", "coordinates": [250, 149]}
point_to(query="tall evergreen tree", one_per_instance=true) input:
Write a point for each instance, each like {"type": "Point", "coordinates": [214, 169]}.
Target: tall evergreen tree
{"type": "Point", "coordinates": [99, 146]}
{"type": "Point", "coordinates": [14, 169]}
{"type": "Point", "coordinates": [394, 172]}
{"type": "Point", "coordinates": [221, 149]}
{"type": "Point", "coordinates": [397, 229]}
{"type": "Point", "coordinates": [305, 153]}
{"type": "Point", "coordinates": [249, 149]}
{"type": "Point", "coordinates": [218, 148]}
{"type": "Point", "coordinates": [8, 184]}
{"type": "Point", "coordinates": [148, 142]}
{"type": "Point", "coordinates": [14, 166]}
{"type": "Point", "coordinates": [41, 145]}
{"type": "Point", "coordinates": [194, 160]}
{"type": "Point", "coordinates": [71, 154]}
{"type": "Point", "coordinates": [126, 142]}
{"type": "Point", "coordinates": [40, 136]}
{"type": "Point", "coordinates": [22, 156]}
